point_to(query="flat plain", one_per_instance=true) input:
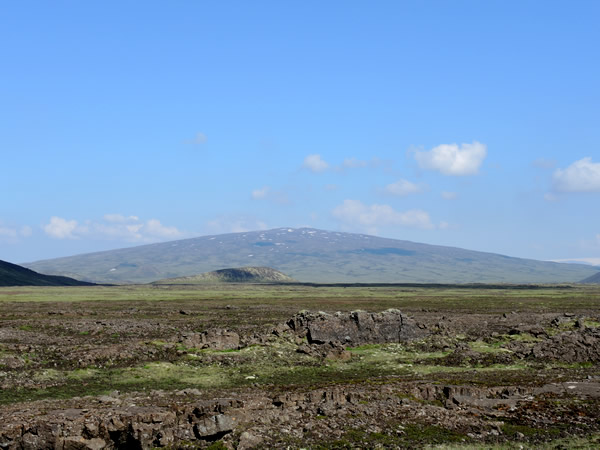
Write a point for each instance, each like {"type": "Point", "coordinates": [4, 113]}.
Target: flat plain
{"type": "Point", "coordinates": [219, 366]}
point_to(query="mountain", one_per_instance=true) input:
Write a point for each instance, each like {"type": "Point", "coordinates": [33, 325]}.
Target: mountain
{"type": "Point", "coordinates": [236, 275]}
{"type": "Point", "coordinates": [14, 275]}
{"type": "Point", "coordinates": [308, 254]}
{"type": "Point", "coordinates": [594, 279]}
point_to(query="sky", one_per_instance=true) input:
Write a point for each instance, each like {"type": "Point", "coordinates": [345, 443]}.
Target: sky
{"type": "Point", "coordinates": [463, 123]}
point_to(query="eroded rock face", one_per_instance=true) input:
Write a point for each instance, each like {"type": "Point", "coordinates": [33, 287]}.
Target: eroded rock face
{"type": "Point", "coordinates": [355, 328]}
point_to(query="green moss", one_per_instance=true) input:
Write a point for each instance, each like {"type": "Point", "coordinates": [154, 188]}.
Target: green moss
{"type": "Point", "coordinates": [485, 347]}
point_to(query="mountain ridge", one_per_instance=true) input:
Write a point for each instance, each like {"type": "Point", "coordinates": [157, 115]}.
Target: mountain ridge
{"type": "Point", "coordinates": [311, 255]}
{"type": "Point", "coordinates": [594, 279]}
{"type": "Point", "coordinates": [15, 275]}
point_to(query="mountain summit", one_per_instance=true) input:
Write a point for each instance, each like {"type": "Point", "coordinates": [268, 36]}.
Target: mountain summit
{"type": "Point", "coordinates": [308, 254]}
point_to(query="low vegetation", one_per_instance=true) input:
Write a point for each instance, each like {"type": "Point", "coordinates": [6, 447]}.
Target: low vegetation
{"type": "Point", "coordinates": [482, 373]}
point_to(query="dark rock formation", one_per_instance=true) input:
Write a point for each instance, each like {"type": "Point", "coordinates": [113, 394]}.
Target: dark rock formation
{"type": "Point", "coordinates": [355, 328]}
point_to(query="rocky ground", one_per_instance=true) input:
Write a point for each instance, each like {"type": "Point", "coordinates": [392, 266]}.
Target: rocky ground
{"type": "Point", "coordinates": [230, 374]}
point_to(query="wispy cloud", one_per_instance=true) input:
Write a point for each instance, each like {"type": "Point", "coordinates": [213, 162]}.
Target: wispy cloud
{"type": "Point", "coordinates": [451, 159]}
{"type": "Point", "coordinates": [199, 139]}
{"type": "Point", "coordinates": [119, 218]}
{"type": "Point", "coordinates": [8, 232]}
{"type": "Point", "coordinates": [543, 163]}
{"type": "Point", "coordinates": [111, 227]}
{"type": "Point", "coordinates": [591, 261]}
{"type": "Point", "coordinates": [315, 163]}
{"type": "Point", "coordinates": [446, 195]}
{"type": "Point", "coordinates": [12, 235]}
{"type": "Point", "coordinates": [402, 188]}
{"type": "Point", "coordinates": [354, 212]}
{"type": "Point", "coordinates": [261, 193]}
{"type": "Point", "coordinates": [581, 176]}
{"type": "Point", "coordinates": [274, 196]}
{"type": "Point", "coordinates": [355, 163]}
{"type": "Point", "coordinates": [234, 224]}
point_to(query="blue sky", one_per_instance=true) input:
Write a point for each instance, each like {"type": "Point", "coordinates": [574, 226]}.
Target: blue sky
{"type": "Point", "coordinates": [465, 123]}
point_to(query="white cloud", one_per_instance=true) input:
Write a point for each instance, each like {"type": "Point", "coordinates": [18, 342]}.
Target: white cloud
{"type": "Point", "coordinates": [446, 195]}
{"type": "Point", "coordinates": [113, 227]}
{"type": "Point", "coordinates": [403, 188]}
{"type": "Point", "coordinates": [258, 194]}
{"type": "Point", "coordinates": [315, 163]}
{"type": "Point", "coordinates": [371, 216]}
{"type": "Point", "coordinates": [450, 159]}
{"type": "Point", "coordinates": [60, 228]}
{"type": "Point", "coordinates": [153, 227]}
{"type": "Point", "coordinates": [581, 176]}
{"type": "Point", "coordinates": [234, 224]}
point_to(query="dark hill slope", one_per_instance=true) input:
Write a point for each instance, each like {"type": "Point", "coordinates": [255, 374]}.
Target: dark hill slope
{"type": "Point", "coordinates": [235, 275]}
{"type": "Point", "coordinates": [14, 275]}
{"type": "Point", "coordinates": [308, 254]}
{"type": "Point", "coordinates": [594, 279]}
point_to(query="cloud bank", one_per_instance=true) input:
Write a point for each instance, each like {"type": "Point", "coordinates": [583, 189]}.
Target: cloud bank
{"type": "Point", "coordinates": [111, 227]}
{"type": "Point", "coordinates": [354, 212]}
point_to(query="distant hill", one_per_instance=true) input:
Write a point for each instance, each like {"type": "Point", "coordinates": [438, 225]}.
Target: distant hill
{"type": "Point", "coordinates": [594, 279]}
{"type": "Point", "coordinates": [236, 275]}
{"type": "Point", "coordinates": [312, 255]}
{"type": "Point", "coordinates": [15, 275]}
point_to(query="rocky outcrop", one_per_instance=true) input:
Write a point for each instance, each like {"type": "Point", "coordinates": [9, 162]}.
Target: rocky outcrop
{"type": "Point", "coordinates": [570, 347]}
{"type": "Point", "coordinates": [355, 328]}
{"type": "Point", "coordinates": [580, 345]}
{"type": "Point", "coordinates": [121, 426]}
{"type": "Point", "coordinates": [187, 419]}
